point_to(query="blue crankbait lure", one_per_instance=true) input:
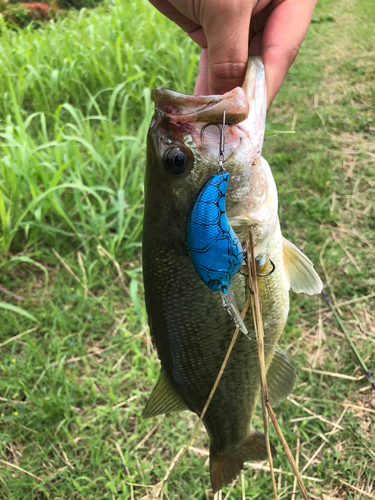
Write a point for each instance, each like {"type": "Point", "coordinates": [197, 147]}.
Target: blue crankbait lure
{"type": "Point", "coordinates": [214, 248]}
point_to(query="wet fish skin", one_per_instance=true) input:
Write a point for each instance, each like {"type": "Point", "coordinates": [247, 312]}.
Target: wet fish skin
{"type": "Point", "coordinates": [187, 323]}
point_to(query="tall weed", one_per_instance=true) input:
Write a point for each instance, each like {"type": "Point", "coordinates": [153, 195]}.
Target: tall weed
{"type": "Point", "coordinates": [73, 124]}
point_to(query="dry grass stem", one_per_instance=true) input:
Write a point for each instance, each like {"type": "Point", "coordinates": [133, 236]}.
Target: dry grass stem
{"type": "Point", "coordinates": [199, 451]}
{"type": "Point", "coordinates": [368, 495]}
{"type": "Point", "coordinates": [293, 127]}
{"type": "Point", "coordinates": [333, 431]}
{"type": "Point", "coordinates": [97, 352]}
{"type": "Point", "coordinates": [19, 335]}
{"type": "Point", "coordinates": [28, 428]}
{"type": "Point", "coordinates": [288, 452]}
{"type": "Point", "coordinates": [363, 408]}
{"type": "Point", "coordinates": [102, 251]}
{"type": "Point", "coordinates": [13, 401]}
{"type": "Point", "coordinates": [331, 374]}
{"type": "Point", "coordinates": [258, 327]}
{"type": "Point", "coordinates": [80, 262]}
{"type": "Point", "coordinates": [64, 458]}
{"type": "Point", "coordinates": [297, 464]}
{"type": "Point", "coordinates": [150, 433]}
{"type": "Point", "coordinates": [120, 360]}
{"type": "Point", "coordinates": [8, 292]}
{"type": "Point", "coordinates": [72, 273]}
{"type": "Point", "coordinates": [322, 419]}
{"type": "Point", "coordinates": [120, 322]}
{"type": "Point", "coordinates": [341, 304]}
{"type": "Point", "coordinates": [118, 447]}
{"type": "Point", "coordinates": [265, 394]}
{"type": "Point", "coordinates": [367, 388]}
{"type": "Point", "coordinates": [302, 419]}
{"type": "Point", "coordinates": [119, 405]}
{"type": "Point", "coordinates": [281, 471]}
{"type": "Point", "coordinates": [307, 465]}
{"type": "Point", "coordinates": [141, 485]}
{"type": "Point", "coordinates": [231, 489]}
{"type": "Point", "coordinates": [67, 267]}
{"type": "Point", "coordinates": [39, 379]}
{"type": "Point", "coordinates": [178, 457]}
{"type": "Point", "coordinates": [20, 469]}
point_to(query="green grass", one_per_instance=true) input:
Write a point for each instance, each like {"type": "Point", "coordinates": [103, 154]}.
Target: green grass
{"type": "Point", "coordinates": [74, 116]}
{"type": "Point", "coordinates": [73, 119]}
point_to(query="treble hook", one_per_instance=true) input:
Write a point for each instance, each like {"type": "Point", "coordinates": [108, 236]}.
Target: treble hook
{"type": "Point", "coordinates": [221, 156]}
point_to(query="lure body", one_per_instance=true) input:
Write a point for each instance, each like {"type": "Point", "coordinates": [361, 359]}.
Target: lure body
{"type": "Point", "coordinates": [214, 248]}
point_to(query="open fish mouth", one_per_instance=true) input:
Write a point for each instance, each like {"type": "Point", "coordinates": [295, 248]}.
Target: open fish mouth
{"type": "Point", "coordinates": [205, 109]}
{"type": "Point", "coordinates": [245, 106]}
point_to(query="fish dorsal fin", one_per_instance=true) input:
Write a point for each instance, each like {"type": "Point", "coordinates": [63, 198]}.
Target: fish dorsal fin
{"type": "Point", "coordinates": [281, 377]}
{"type": "Point", "coordinates": [163, 399]}
{"type": "Point", "coordinates": [300, 271]}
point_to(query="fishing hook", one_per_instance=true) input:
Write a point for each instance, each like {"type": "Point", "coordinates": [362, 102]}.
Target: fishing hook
{"type": "Point", "coordinates": [267, 274]}
{"type": "Point", "coordinates": [259, 275]}
{"type": "Point", "coordinates": [221, 156]}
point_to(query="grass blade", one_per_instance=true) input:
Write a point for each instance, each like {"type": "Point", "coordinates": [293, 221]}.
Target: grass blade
{"type": "Point", "coordinates": [18, 310]}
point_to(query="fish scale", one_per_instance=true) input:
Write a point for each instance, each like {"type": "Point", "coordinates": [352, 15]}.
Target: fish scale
{"type": "Point", "coordinates": [189, 327]}
{"type": "Point", "coordinates": [196, 359]}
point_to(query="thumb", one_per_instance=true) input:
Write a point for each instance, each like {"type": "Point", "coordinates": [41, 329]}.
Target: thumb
{"type": "Point", "coordinates": [226, 27]}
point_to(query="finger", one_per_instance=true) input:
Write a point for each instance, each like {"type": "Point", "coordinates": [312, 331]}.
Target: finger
{"type": "Point", "coordinates": [226, 26]}
{"type": "Point", "coordinates": [283, 34]}
{"type": "Point", "coordinates": [199, 37]}
{"type": "Point", "coordinates": [168, 10]}
{"type": "Point", "coordinates": [201, 85]}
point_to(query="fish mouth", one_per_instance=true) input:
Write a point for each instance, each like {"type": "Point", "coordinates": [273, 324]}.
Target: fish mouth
{"type": "Point", "coordinates": [246, 105]}
{"type": "Point", "coordinates": [202, 108]}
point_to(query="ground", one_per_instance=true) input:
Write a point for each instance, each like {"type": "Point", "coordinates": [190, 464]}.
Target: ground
{"type": "Point", "coordinates": [76, 359]}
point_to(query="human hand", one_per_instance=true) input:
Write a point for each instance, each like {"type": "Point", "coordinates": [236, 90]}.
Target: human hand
{"type": "Point", "coordinates": [230, 30]}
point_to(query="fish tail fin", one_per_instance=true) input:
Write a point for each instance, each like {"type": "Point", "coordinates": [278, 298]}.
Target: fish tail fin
{"type": "Point", "coordinates": [225, 468]}
{"type": "Point", "coordinates": [229, 305]}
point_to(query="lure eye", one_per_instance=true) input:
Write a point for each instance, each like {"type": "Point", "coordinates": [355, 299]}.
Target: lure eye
{"type": "Point", "coordinates": [177, 161]}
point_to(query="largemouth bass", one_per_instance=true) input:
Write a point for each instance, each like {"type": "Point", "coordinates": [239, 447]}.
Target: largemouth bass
{"type": "Point", "coordinates": [187, 322]}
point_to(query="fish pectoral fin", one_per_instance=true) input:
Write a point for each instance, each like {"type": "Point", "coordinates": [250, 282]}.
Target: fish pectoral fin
{"type": "Point", "coordinates": [225, 468]}
{"type": "Point", "coordinates": [163, 399]}
{"type": "Point", "coordinates": [300, 271]}
{"type": "Point", "coordinates": [281, 377]}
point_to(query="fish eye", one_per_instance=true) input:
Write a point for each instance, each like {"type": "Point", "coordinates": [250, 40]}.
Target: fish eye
{"type": "Point", "coordinates": [177, 161]}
